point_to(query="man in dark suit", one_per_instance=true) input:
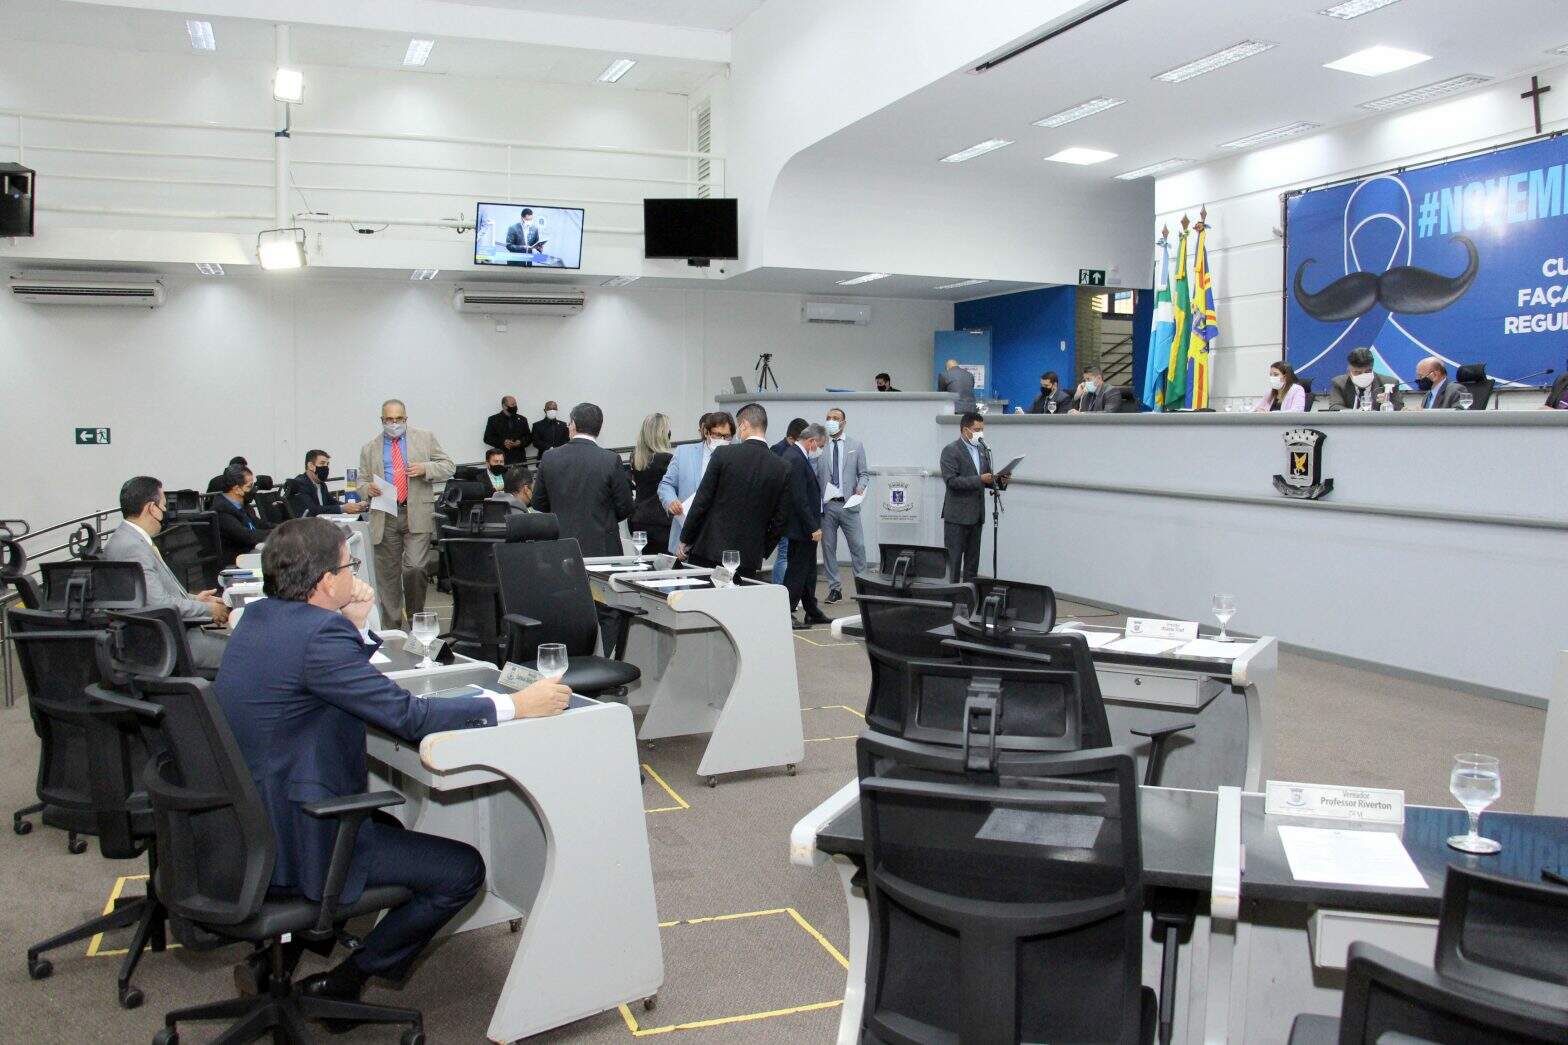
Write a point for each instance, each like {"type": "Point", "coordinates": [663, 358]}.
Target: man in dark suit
{"type": "Point", "coordinates": [1361, 387]}
{"type": "Point", "coordinates": [549, 431]}
{"type": "Point", "coordinates": [803, 523]}
{"type": "Point", "coordinates": [508, 432]}
{"type": "Point", "coordinates": [307, 492]}
{"type": "Point", "coordinates": [740, 505]}
{"type": "Point", "coordinates": [1094, 396]}
{"type": "Point", "coordinates": [1438, 392]}
{"type": "Point", "coordinates": [238, 529]}
{"type": "Point", "coordinates": [966, 472]}
{"type": "Point", "coordinates": [585, 485]}
{"type": "Point", "coordinates": [781, 449]}
{"type": "Point", "coordinates": [298, 689]}
{"type": "Point", "coordinates": [215, 484]}
{"type": "Point", "coordinates": [1053, 399]}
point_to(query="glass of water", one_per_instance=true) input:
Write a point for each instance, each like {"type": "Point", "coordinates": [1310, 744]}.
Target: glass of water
{"type": "Point", "coordinates": [426, 627]}
{"type": "Point", "coordinates": [731, 561]}
{"type": "Point", "coordinates": [1224, 607]}
{"type": "Point", "coordinates": [1466, 399]}
{"type": "Point", "coordinates": [552, 662]}
{"type": "Point", "coordinates": [1476, 782]}
{"type": "Point", "coordinates": [639, 541]}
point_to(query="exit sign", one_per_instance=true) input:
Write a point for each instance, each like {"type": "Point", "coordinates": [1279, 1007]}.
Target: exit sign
{"type": "Point", "coordinates": [1091, 277]}
{"type": "Point", "coordinates": [93, 436]}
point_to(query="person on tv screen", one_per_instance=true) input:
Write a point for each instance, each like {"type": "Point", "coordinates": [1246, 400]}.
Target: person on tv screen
{"type": "Point", "coordinates": [527, 236]}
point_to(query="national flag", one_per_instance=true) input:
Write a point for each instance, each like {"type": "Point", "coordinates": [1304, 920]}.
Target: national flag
{"type": "Point", "coordinates": [1181, 306]}
{"type": "Point", "coordinates": [1205, 323]}
{"type": "Point", "coordinates": [1161, 332]}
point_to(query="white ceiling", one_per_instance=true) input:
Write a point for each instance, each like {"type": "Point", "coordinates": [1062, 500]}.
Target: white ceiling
{"type": "Point", "coordinates": [692, 14]}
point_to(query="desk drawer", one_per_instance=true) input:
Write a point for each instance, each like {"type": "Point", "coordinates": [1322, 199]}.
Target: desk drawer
{"type": "Point", "coordinates": [1152, 687]}
{"type": "Point", "coordinates": [1332, 933]}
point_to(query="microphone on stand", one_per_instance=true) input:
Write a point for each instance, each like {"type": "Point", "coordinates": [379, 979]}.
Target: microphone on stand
{"type": "Point", "coordinates": [1520, 381]}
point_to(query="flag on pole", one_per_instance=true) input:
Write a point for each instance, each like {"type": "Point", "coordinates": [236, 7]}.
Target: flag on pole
{"type": "Point", "coordinates": [1205, 323]}
{"type": "Point", "coordinates": [1162, 331]}
{"type": "Point", "coordinates": [1176, 368]}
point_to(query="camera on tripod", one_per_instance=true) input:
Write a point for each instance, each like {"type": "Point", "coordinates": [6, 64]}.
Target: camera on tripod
{"type": "Point", "coordinates": [764, 369]}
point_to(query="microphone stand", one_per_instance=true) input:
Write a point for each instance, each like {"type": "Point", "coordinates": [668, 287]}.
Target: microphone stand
{"type": "Point", "coordinates": [996, 506]}
{"type": "Point", "coordinates": [1497, 399]}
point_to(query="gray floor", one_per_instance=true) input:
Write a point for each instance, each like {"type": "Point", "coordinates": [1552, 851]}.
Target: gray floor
{"type": "Point", "coordinates": [760, 977]}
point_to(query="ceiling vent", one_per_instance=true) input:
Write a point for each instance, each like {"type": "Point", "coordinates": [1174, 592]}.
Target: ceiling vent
{"type": "Point", "coordinates": [835, 312]}
{"type": "Point", "coordinates": [499, 301]}
{"type": "Point", "coordinates": [120, 293]}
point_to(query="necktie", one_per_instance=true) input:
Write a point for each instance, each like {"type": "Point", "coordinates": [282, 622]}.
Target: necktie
{"type": "Point", "coordinates": [1431, 397]}
{"type": "Point", "coordinates": [399, 472]}
{"type": "Point", "coordinates": [837, 478]}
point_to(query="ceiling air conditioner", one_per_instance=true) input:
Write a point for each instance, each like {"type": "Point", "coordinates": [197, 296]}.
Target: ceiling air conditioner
{"type": "Point", "coordinates": [148, 294]}
{"type": "Point", "coordinates": [835, 312]}
{"type": "Point", "coordinates": [500, 301]}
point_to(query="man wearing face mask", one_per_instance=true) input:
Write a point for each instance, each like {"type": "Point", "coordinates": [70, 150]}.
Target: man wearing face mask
{"type": "Point", "coordinates": [495, 469]}
{"type": "Point", "coordinates": [1361, 387]}
{"type": "Point", "coordinates": [508, 432]}
{"type": "Point", "coordinates": [843, 473]}
{"type": "Point", "coordinates": [1094, 396]}
{"type": "Point", "coordinates": [307, 492]}
{"type": "Point", "coordinates": [239, 531]}
{"type": "Point", "coordinates": [780, 449]}
{"type": "Point", "coordinates": [803, 523]}
{"type": "Point", "coordinates": [966, 473]}
{"type": "Point", "coordinates": [1052, 398]}
{"type": "Point", "coordinates": [684, 475]}
{"type": "Point", "coordinates": [549, 431]}
{"type": "Point", "coordinates": [1438, 392]}
{"type": "Point", "coordinates": [405, 462]}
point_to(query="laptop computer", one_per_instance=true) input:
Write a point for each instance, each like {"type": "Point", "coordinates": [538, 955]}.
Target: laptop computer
{"type": "Point", "coordinates": [738, 385]}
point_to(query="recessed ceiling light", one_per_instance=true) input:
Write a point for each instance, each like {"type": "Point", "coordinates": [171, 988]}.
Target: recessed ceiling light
{"type": "Point", "coordinates": [1430, 92]}
{"type": "Point", "coordinates": [960, 283]}
{"type": "Point", "coordinates": [990, 145]}
{"type": "Point", "coordinates": [616, 69]}
{"type": "Point", "coordinates": [418, 52]}
{"type": "Point", "coordinates": [423, 274]}
{"type": "Point", "coordinates": [1080, 156]}
{"type": "Point", "coordinates": [1217, 60]}
{"type": "Point", "coordinates": [1355, 8]}
{"type": "Point", "coordinates": [1078, 112]}
{"type": "Point", "coordinates": [288, 85]}
{"type": "Point", "coordinates": [1264, 137]}
{"type": "Point", "coordinates": [867, 278]}
{"type": "Point", "coordinates": [1153, 168]}
{"type": "Point", "coordinates": [1378, 61]}
{"type": "Point", "coordinates": [209, 268]}
{"type": "Point", "coordinates": [201, 35]}
{"type": "Point", "coordinates": [619, 281]}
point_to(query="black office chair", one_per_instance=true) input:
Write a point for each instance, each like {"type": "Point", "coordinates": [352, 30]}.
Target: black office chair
{"type": "Point", "coordinates": [533, 526]}
{"type": "Point", "coordinates": [901, 564]}
{"type": "Point", "coordinates": [192, 548]}
{"type": "Point", "coordinates": [1391, 999]}
{"type": "Point", "coordinates": [273, 506]}
{"type": "Point", "coordinates": [1505, 935]}
{"type": "Point", "coordinates": [1000, 605]}
{"type": "Point", "coordinates": [898, 631]}
{"type": "Point", "coordinates": [957, 595]}
{"type": "Point", "coordinates": [216, 851]}
{"type": "Point", "coordinates": [84, 589]}
{"type": "Point", "coordinates": [1472, 376]}
{"type": "Point", "coordinates": [545, 597]}
{"type": "Point", "coordinates": [1306, 388]}
{"type": "Point", "coordinates": [459, 496]}
{"type": "Point", "coordinates": [14, 572]}
{"type": "Point", "coordinates": [182, 502]}
{"type": "Point", "coordinates": [1006, 902]}
{"type": "Point", "coordinates": [469, 564]}
{"type": "Point", "coordinates": [1129, 402]}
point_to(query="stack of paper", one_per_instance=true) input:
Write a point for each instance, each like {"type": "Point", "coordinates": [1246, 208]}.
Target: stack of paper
{"type": "Point", "coordinates": [1212, 649]}
{"type": "Point", "coordinates": [1376, 859]}
{"type": "Point", "coordinates": [1142, 644]}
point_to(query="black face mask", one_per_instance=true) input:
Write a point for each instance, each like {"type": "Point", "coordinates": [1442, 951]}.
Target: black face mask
{"type": "Point", "coordinates": [1406, 289]}
{"type": "Point", "coordinates": [321, 474]}
{"type": "Point", "coordinates": [511, 410]}
{"type": "Point", "coordinates": [1047, 389]}
{"type": "Point", "coordinates": [1424, 384]}
{"type": "Point", "coordinates": [498, 469]}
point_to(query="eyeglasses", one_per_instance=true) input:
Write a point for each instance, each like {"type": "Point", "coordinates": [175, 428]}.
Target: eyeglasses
{"type": "Point", "coordinates": [393, 420]}
{"type": "Point", "coordinates": [352, 564]}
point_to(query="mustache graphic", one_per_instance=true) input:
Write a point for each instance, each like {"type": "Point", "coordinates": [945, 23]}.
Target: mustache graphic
{"type": "Point", "coordinates": [1405, 289]}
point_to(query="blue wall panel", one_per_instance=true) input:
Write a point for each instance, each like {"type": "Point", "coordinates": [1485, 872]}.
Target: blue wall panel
{"type": "Point", "coordinates": [1027, 332]}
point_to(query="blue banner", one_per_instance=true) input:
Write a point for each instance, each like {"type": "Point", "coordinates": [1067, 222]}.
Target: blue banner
{"type": "Point", "coordinates": [1466, 260]}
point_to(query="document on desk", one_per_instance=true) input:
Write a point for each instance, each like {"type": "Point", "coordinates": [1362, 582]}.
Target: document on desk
{"type": "Point", "coordinates": [666, 583]}
{"type": "Point", "coordinates": [1096, 639]}
{"type": "Point", "coordinates": [616, 567]}
{"type": "Point", "coordinates": [1376, 859]}
{"type": "Point", "coordinates": [1143, 645]}
{"type": "Point", "coordinates": [1211, 649]}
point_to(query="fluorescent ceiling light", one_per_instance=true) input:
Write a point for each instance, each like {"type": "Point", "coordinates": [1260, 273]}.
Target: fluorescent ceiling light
{"type": "Point", "coordinates": [201, 35]}
{"type": "Point", "coordinates": [423, 274]}
{"type": "Point", "coordinates": [1217, 60]}
{"type": "Point", "coordinates": [616, 69]}
{"type": "Point", "coordinates": [960, 283]}
{"type": "Point", "coordinates": [619, 281]}
{"type": "Point", "coordinates": [281, 249]}
{"type": "Point", "coordinates": [1080, 156]}
{"type": "Point", "coordinates": [288, 85]}
{"type": "Point", "coordinates": [867, 278]}
{"type": "Point", "coordinates": [418, 52]}
{"type": "Point", "coordinates": [1378, 61]}
{"type": "Point", "coordinates": [1355, 8]}
{"type": "Point", "coordinates": [1153, 168]}
{"type": "Point", "coordinates": [990, 145]}
{"type": "Point", "coordinates": [1078, 112]}
{"type": "Point", "coordinates": [209, 268]}
{"type": "Point", "coordinates": [1431, 91]}
{"type": "Point", "coordinates": [1264, 137]}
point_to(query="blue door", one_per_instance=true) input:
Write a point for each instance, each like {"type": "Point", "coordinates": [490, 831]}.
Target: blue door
{"type": "Point", "coordinates": [972, 349]}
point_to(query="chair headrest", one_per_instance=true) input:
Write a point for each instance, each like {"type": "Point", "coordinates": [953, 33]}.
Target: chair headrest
{"type": "Point", "coordinates": [264, 482]}
{"type": "Point", "coordinates": [13, 559]}
{"type": "Point", "coordinates": [532, 526]}
{"type": "Point", "coordinates": [1469, 373]}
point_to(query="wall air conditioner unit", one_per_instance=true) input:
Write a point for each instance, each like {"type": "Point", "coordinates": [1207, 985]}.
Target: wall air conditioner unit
{"type": "Point", "coordinates": [146, 294]}
{"type": "Point", "coordinates": [835, 312]}
{"type": "Point", "coordinates": [503, 301]}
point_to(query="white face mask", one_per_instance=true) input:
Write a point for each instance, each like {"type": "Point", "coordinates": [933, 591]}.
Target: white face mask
{"type": "Point", "coordinates": [395, 430]}
{"type": "Point", "coordinates": [832, 426]}
{"type": "Point", "coordinates": [1090, 387]}
{"type": "Point", "coordinates": [549, 415]}
{"type": "Point", "coordinates": [716, 441]}
{"type": "Point", "coordinates": [814, 454]}
{"type": "Point", "coordinates": [1363, 380]}
{"type": "Point", "coordinates": [974, 437]}
{"type": "Point", "coordinates": [1276, 382]}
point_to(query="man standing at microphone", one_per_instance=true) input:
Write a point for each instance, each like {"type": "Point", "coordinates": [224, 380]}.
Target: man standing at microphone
{"type": "Point", "coordinates": [966, 472]}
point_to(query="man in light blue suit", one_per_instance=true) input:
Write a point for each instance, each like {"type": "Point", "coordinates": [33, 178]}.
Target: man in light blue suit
{"type": "Point", "coordinates": [685, 472]}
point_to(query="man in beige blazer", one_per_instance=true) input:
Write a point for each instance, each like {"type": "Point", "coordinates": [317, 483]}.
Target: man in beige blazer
{"type": "Point", "coordinates": [404, 462]}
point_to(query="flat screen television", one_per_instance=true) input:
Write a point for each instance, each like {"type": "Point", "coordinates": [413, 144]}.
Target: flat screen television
{"type": "Point", "coordinates": [690, 228]}
{"type": "Point", "coordinates": [528, 236]}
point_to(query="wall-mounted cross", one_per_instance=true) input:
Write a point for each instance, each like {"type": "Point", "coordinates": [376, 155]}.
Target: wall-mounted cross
{"type": "Point", "coordinates": [1534, 94]}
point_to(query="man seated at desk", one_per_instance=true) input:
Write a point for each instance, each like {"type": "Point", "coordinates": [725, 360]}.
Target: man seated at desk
{"type": "Point", "coordinates": [495, 470]}
{"type": "Point", "coordinates": [1094, 396]}
{"type": "Point", "coordinates": [307, 493]}
{"type": "Point", "coordinates": [239, 530]}
{"type": "Point", "coordinates": [298, 690]}
{"type": "Point", "coordinates": [516, 489]}
{"type": "Point", "coordinates": [1361, 387]}
{"type": "Point", "coordinates": [1439, 393]}
{"type": "Point", "coordinates": [1052, 398]}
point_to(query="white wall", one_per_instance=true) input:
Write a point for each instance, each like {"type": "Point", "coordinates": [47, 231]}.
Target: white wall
{"type": "Point", "coordinates": [268, 368]}
{"type": "Point", "coordinates": [1243, 198]}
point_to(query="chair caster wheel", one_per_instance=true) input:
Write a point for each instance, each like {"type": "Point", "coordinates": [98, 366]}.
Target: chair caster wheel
{"type": "Point", "coordinates": [39, 968]}
{"type": "Point", "coordinates": [713, 781]}
{"type": "Point", "coordinates": [167, 1036]}
{"type": "Point", "coordinates": [412, 1036]}
{"type": "Point", "coordinates": [650, 1003]}
{"type": "Point", "coordinates": [791, 770]}
{"type": "Point", "coordinates": [516, 925]}
{"type": "Point", "coordinates": [22, 827]}
{"type": "Point", "coordinates": [76, 846]}
{"type": "Point", "coordinates": [130, 997]}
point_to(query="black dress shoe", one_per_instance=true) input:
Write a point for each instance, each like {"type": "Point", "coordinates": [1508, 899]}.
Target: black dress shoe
{"type": "Point", "coordinates": [798, 625]}
{"type": "Point", "coordinates": [818, 618]}
{"type": "Point", "coordinates": [339, 984]}
{"type": "Point", "coordinates": [834, 596]}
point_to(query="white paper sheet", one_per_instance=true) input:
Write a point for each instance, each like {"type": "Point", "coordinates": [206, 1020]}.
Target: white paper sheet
{"type": "Point", "coordinates": [610, 567]}
{"type": "Point", "coordinates": [1371, 858]}
{"type": "Point", "coordinates": [830, 492]}
{"type": "Point", "coordinates": [1142, 644]}
{"type": "Point", "coordinates": [1096, 639]}
{"type": "Point", "coordinates": [676, 582]}
{"type": "Point", "coordinates": [1212, 649]}
{"type": "Point", "coordinates": [854, 500]}
{"type": "Point", "coordinates": [380, 658]}
{"type": "Point", "coordinates": [385, 501]}
{"type": "Point", "coordinates": [686, 505]}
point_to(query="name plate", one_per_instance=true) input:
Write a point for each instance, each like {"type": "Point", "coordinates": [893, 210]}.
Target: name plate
{"type": "Point", "coordinates": [1151, 627]}
{"type": "Point", "coordinates": [1372, 805]}
{"type": "Point", "coordinates": [516, 676]}
{"type": "Point", "coordinates": [419, 649]}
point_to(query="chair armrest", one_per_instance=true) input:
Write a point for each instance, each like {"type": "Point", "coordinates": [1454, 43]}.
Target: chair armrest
{"type": "Point", "coordinates": [368, 803]}
{"type": "Point", "coordinates": [625, 611]}
{"type": "Point", "coordinates": [120, 702]}
{"type": "Point", "coordinates": [517, 628]}
{"type": "Point", "coordinates": [623, 625]}
{"type": "Point", "coordinates": [517, 620]}
{"type": "Point", "coordinates": [350, 812]}
{"type": "Point", "coordinates": [1162, 732]}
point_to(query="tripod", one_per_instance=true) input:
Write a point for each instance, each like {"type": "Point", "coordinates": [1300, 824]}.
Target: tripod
{"type": "Point", "coordinates": [764, 370]}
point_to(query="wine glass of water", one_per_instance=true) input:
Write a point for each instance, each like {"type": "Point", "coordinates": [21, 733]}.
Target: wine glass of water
{"type": "Point", "coordinates": [426, 627]}
{"type": "Point", "coordinates": [1224, 607]}
{"type": "Point", "coordinates": [1476, 782]}
{"type": "Point", "coordinates": [639, 541]}
{"type": "Point", "coordinates": [552, 662]}
{"type": "Point", "coordinates": [1466, 399]}
{"type": "Point", "coordinates": [731, 561]}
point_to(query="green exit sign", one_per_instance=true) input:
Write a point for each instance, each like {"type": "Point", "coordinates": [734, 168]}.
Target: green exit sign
{"type": "Point", "coordinates": [93, 436]}
{"type": "Point", "coordinates": [1091, 277]}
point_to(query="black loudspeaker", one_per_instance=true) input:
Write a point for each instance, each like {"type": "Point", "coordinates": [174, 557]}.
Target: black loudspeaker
{"type": "Point", "coordinates": [16, 199]}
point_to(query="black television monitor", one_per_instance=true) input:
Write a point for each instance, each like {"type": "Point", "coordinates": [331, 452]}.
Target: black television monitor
{"type": "Point", "coordinates": [528, 236]}
{"type": "Point", "coordinates": [690, 228]}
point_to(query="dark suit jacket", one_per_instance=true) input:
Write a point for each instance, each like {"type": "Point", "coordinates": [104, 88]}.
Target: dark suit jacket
{"type": "Point", "coordinates": [503, 426]}
{"type": "Point", "coordinates": [739, 506]}
{"type": "Point", "coordinates": [781, 447]}
{"type": "Point", "coordinates": [548, 433]}
{"type": "Point", "coordinates": [305, 498]}
{"type": "Point", "coordinates": [238, 530]}
{"type": "Point", "coordinates": [1558, 393]}
{"type": "Point", "coordinates": [1106, 400]}
{"type": "Point", "coordinates": [586, 487]}
{"type": "Point", "coordinates": [1447, 396]}
{"type": "Point", "coordinates": [964, 502]}
{"type": "Point", "coordinates": [1342, 391]}
{"type": "Point", "coordinates": [803, 502]}
{"type": "Point", "coordinates": [1060, 395]}
{"type": "Point", "coordinates": [298, 689]}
